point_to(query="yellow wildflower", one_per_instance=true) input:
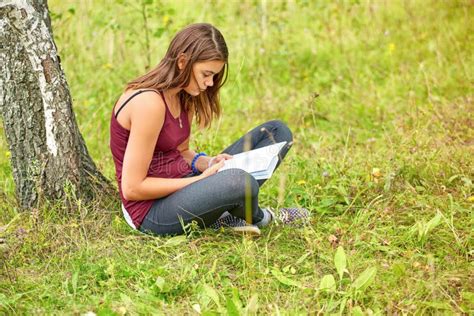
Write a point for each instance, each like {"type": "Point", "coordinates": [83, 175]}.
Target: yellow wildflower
{"type": "Point", "coordinates": [391, 48]}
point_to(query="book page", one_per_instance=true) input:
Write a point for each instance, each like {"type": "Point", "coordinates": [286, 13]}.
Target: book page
{"type": "Point", "coordinates": [255, 161]}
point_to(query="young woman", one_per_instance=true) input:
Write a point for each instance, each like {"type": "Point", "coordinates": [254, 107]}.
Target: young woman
{"type": "Point", "coordinates": [164, 184]}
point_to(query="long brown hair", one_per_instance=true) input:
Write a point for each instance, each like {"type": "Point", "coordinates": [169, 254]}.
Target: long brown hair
{"type": "Point", "coordinates": [198, 42]}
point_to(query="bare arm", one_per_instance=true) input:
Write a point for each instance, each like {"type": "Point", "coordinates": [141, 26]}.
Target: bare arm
{"type": "Point", "coordinates": [188, 155]}
{"type": "Point", "coordinates": [203, 162]}
{"type": "Point", "coordinates": [147, 114]}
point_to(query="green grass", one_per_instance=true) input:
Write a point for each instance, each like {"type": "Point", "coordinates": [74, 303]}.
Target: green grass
{"type": "Point", "coordinates": [382, 158]}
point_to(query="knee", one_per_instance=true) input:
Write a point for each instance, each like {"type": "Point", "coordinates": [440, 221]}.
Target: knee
{"type": "Point", "coordinates": [241, 182]}
{"type": "Point", "coordinates": [282, 131]}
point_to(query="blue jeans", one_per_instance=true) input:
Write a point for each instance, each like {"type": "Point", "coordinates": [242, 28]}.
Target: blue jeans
{"type": "Point", "coordinates": [232, 190]}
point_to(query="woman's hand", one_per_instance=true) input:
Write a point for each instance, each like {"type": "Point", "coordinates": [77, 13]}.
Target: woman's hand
{"type": "Point", "coordinates": [217, 159]}
{"type": "Point", "coordinates": [212, 169]}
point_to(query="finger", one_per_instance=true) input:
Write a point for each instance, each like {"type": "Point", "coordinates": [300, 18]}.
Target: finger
{"type": "Point", "coordinates": [224, 156]}
{"type": "Point", "coordinates": [215, 168]}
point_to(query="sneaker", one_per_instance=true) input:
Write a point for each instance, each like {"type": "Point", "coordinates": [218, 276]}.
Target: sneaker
{"type": "Point", "coordinates": [294, 216]}
{"type": "Point", "coordinates": [235, 224]}
{"type": "Point", "coordinates": [288, 216]}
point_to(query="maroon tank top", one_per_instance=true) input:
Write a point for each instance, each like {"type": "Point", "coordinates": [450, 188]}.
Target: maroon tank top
{"type": "Point", "coordinates": [167, 161]}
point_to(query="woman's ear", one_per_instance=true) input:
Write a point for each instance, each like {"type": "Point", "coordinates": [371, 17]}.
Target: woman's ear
{"type": "Point", "coordinates": [182, 61]}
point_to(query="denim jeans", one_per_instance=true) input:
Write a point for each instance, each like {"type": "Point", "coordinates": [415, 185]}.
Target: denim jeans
{"type": "Point", "coordinates": [232, 190]}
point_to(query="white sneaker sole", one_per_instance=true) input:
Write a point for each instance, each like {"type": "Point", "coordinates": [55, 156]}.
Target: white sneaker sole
{"type": "Point", "coordinates": [246, 230]}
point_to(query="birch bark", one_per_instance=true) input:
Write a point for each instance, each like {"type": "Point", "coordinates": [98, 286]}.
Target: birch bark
{"type": "Point", "coordinates": [48, 152]}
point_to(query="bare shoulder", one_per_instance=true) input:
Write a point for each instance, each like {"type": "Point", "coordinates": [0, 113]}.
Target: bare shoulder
{"type": "Point", "coordinates": [147, 105]}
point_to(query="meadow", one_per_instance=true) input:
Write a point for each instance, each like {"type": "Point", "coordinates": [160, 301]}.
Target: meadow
{"type": "Point", "coordinates": [379, 96]}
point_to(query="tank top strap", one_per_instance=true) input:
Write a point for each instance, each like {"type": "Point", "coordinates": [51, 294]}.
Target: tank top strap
{"type": "Point", "coordinates": [131, 97]}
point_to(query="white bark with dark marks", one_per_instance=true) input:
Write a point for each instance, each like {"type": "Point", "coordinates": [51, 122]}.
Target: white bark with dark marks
{"type": "Point", "coordinates": [47, 149]}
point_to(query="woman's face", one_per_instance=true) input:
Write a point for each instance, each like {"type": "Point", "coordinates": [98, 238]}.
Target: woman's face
{"type": "Point", "coordinates": [202, 76]}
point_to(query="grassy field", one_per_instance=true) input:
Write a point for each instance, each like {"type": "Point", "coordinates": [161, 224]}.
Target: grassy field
{"type": "Point", "coordinates": [379, 96]}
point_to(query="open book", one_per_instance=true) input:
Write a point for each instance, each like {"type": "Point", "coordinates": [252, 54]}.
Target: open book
{"type": "Point", "coordinates": [260, 162]}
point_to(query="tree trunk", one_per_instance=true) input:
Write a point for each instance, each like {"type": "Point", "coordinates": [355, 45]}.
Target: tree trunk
{"type": "Point", "coordinates": [48, 153]}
